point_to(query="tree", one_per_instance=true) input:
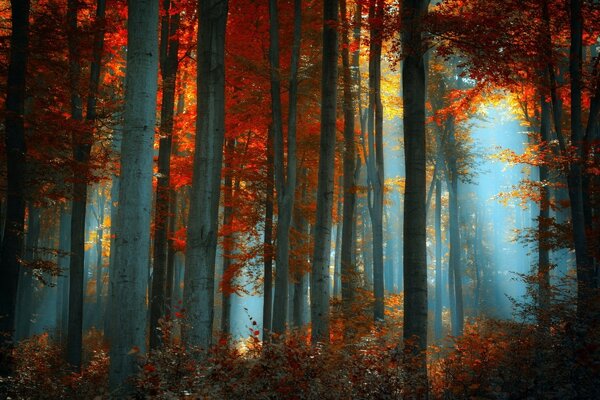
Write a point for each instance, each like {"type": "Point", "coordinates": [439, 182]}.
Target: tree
{"type": "Point", "coordinates": [348, 267]}
{"type": "Point", "coordinates": [319, 307]}
{"type": "Point", "coordinates": [285, 181]}
{"type": "Point", "coordinates": [415, 255]}
{"type": "Point", "coordinates": [132, 237]}
{"type": "Point", "coordinates": [12, 241]}
{"type": "Point", "coordinates": [82, 142]}
{"type": "Point", "coordinates": [199, 279]}
{"type": "Point", "coordinates": [169, 48]}
{"type": "Point", "coordinates": [375, 168]}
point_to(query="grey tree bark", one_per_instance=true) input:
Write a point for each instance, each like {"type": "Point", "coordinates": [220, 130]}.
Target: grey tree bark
{"type": "Point", "coordinates": [27, 282]}
{"type": "Point", "coordinates": [455, 266]}
{"type": "Point", "coordinates": [375, 155]}
{"type": "Point", "coordinates": [285, 181]}
{"type": "Point", "coordinates": [198, 294]}
{"type": "Point", "coordinates": [322, 240]}
{"type": "Point", "coordinates": [169, 47]}
{"type": "Point", "coordinates": [544, 212]}
{"type": "Point", "coordinates": [268, 242]}
{"type": "Point", "coordinates": [349, 274]}
{"type": "Point", "coordinates": [82, 142]}
{"type": "Point", "coordinates": [132, 237]}
{"type": "Point", "coordinates": [415, 256]}
{"type": "Point", "coordinates": [14, 139]}
{"type": "Point", "coordinates": [437, 329]}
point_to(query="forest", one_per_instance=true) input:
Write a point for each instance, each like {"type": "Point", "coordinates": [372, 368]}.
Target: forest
{"type": "Point", "coordinates": [300, 199]}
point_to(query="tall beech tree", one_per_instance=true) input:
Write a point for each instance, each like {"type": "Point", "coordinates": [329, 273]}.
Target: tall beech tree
{"type": "Point", "coordinates": [319, 300]}
{"type": "Point", "coordinates": [82, 146]}
{"type": "Point", "coordinates": [349, 274]}
{"type": "Point", "coordinates": [12, 237]}
{"type": "Point", "coordinates": [132, 237]}
{"type": "Point", "coordinates": [285, 180]}
{"type": "Point", "coordinates": [415, 254]}
{"type": "Point", "coordinates": [374, 160]}
{"type": "Point", "coordinates": [169, 48]}
{"type": "Point", "coordinates": [199, 279]}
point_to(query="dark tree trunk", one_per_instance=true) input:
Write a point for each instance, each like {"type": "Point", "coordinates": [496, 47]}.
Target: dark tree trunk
{"type": "Point", "coordinates": [349, 275]}
{"type": "Point", "coordinates": [12, 238]}
{"type": "Point", "coordinates": [338, 244]}
{"type": "Point", "coordinates": [132, 237]}
{"type": "Point", "coordinates": [203, 217]}
{"type": "Point", "coordinates": [82, 142]}
{"type": "Point", "coordinates": [544, 212]}
{"type": "Point", "coordinates": [228, 244]}
{"type": "Point", "coordinates": [268, 242]}
{"type": "Point", "coordinates": [27, 282]}
{"type": "Point", "coordinates": [455, 265]}
{"type": "Point", "coordinates": [375, 159]}
{"type": "Point", "coordinates": [285, 182]}
{"type": "Point", "coordinates": [169, 47]}
{"type": "Point", "coordinates": [415, 254]}
{"type": "Point", "coordinates": [438, 262]}
{"type": "Point", "coordinates": [584, 270]}
{"type": "Point", "coordinates": [322, 241]}
{"type": "Point", "coordinates": [99, 314]}
{"type": "Point", "coordinates": [62, 300]}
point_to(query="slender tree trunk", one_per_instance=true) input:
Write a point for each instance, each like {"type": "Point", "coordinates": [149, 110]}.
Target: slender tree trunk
{"type": "Point", "coordinates": [62, 286]}
{"type": "Point", "coordinates": [169, 47]}
{"type": "Point", "coordinates": [99, 315]}
{"type": "Point", "coordinates": [415, 254]}
{"type": "Point", "coordinates": [206, 184]}
{"type": "Point", "coordinates": [584, 270]}
{"type": "Point", "coordinates": [320, 268]}
{"type": "Point", "coordinates": [27, 282]}
{"type": "Point", "coordinates": [284, 182]}
{"type": "Point", "coordinates": [544, 212]}
{"type": "Point", "coordinates": [375, 158]}
{"type": "Point", "coordinates": [173, 224]}
{"type": "Point", "coordinates": [455, 247]}
{"type": "Point", "coordinates": [228, 244]}
{"type": "Point", "coordinates": [268, 242]}
{"type": "Point", "coordinates": [438, 262]}
{"type": "Point", "coordinates": [82, 146]}
{"type": "Point", "coordinates": [349, 274]}
{"type": "Point", "coordinates": [132, 239]}
{"type": "Point", "coordinates": [14, 139]}
{"type": "Point", "coordinates": [301, 283]}
{"type": "Point", "coordinates": [338, 244]}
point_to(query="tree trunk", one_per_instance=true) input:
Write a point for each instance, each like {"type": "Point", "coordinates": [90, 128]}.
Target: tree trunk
{"type": "Point", "coordinates": [455, 247]}
{"type": "Point", "coordinates": [12, 238]}
{"type": "Point", "coordinates": [301, 281]}
{"type": "Point", "coordinates": [169, 47]}
{"type": "Point", "coordinates": [338, 244]}
{"type": "Point", "coordinates": [268, 242]}
{"type": "Point", "coordinates": [322, 241]}
{"type": "Point", "coordinates": [98, 314]}
{"type": "Point", "coordinates": [584, 270]}
{"type": "Point", "coordinates": [62, 286]}
{"type": "Point", "coordinates": [438, 328]}
{"type": "Point", "coordinates": [132, 239]}
{"type": "Point", "coordinates": [375, 158]}
{"type": "Point", "coordinates": [27, 282]}
{"type": "Point", "coordinates": [349, 275]}
{"type": "Point", "coordinates": [82, 142]}
{"type": "Point", "coordinates": [206, 184]}
{"type": "Point", "coordinates": [544, 212]}
{"type": "Point", "coordinates": [285, 183]}
{"type": "Point", "coordinates": [228, 241]}
{"type": "Point", "coordinates": [415, 254]}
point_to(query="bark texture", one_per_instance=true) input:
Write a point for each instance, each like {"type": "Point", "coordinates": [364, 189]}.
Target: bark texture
{"type": "Point", "coordinates": [132, 238]}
